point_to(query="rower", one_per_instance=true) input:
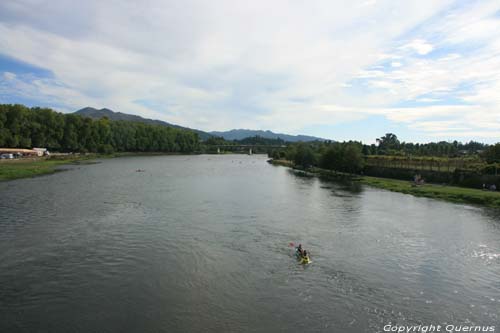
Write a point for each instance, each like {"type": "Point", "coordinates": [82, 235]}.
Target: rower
{"type": "Point", "coordinates": [299, 250]}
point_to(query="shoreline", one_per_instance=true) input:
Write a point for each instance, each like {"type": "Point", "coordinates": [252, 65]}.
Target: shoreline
{"type": "Point", "coordinates": [448, 193]}
{"type": "Point", "coordinates": [41, 166]}
{"type": "Point", "coordinates": [34, 167]}
{"type": "Point", "coordinates": [29, 168]}
{"type": "Point", "coordinates": [13, 169]}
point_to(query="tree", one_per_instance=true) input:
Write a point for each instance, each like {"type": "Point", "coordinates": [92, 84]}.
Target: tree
{"type": "Point", "coordinates": [304, 156]}
{"type": "Point", "coordinates": [492, 154]}
{"type": "Point", "coordinates": [24, 127]}
{"type": "Point", "coordinates": [388, 142]}
{"type": "Point", "coordinates": [331, 158]}
{"type": "Point", "coordinates": [345, 157]}
{"type": "Point", "coordinates": [352, 158]}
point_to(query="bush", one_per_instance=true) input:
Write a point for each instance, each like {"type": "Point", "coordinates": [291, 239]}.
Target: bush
{"type": "Point", "coordinates": [105, 149]}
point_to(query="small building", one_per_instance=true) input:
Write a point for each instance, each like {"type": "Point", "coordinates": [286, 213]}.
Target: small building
{"type": "Point", "coordinates": [41, 151]}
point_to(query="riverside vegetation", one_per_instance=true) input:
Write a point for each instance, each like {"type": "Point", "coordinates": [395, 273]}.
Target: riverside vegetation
{"type": "Point", "coordinates": [23, 127]}
{"type": "Point", "coordinates": [84, 138]}
{"type": "Point", "coordinates": [24, 168]}
{"type": "Point", "coordinates": [454, 178]}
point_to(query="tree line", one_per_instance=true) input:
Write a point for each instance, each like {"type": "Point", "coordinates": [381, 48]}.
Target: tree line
{"type": "Point", "coordinates": [389, 144]}
{"type": "Point", "coordinates": [23, 127]}
{"type": "Point", "coordinates": [337, 156]}
{"type": "Point", "coordinates": [353, 156]}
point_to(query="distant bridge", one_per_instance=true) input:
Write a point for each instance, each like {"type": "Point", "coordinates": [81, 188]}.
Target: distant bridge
{"type": "Point", "coordinates": [250, 148]}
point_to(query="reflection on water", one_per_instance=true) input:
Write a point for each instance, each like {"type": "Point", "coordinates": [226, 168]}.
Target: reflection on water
{"type": "Point", "coordinates": [197, 243]}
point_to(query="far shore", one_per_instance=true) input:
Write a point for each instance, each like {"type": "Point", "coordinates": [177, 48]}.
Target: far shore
{"type": "Point", "coordinates": [443, 192]}
{"type": "Point", "coordinates": [27, 167]}
{"type": "Point", "coordinates": [32, 167]}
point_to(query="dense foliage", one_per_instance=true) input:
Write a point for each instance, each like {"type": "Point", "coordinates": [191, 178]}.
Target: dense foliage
{"type": "Point", "coordinates": [255, 144]}
{"type": "Point", "coordinates": [390, 153]}
{"type": "Point", "coordinates": [22, 127]}
{"type": "Point", "coordinates": [389, 144]}
{"type": "Point", "coordinates": [338, 156]}
{"type": "Point", "coordinates": [259, 140]}
{"type": "Point", "coordinates": [492, 154]}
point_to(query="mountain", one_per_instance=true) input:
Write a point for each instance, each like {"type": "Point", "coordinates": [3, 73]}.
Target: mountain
{"type": "Point", "coordinates": [97, 114]}
{"type": "Point", "coordinates": [239, 134]}
{"type": "Point", "coordinates": [235, 134]}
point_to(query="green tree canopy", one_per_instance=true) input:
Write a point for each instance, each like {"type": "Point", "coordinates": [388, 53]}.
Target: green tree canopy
{"type": "Point", "coordinates": [22, 127]}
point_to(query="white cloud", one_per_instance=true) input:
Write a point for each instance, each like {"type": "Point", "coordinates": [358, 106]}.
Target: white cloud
{"type": "Point", "coordinates": [420, 46]}
{"type": "Point", "coordinates": [450, 57]}
{"type": "Point", "coordinates": [368, 3]}
{"type": "Point", "coordinates": [279, 65]}
{"type": "Point", "coordinates": [428, 100]}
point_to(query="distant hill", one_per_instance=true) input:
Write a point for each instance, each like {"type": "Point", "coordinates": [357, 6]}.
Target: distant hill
{"type": "Point", "coordinates": [239, 134]}
{"type": "Point", "coordinates": [97, 114]}
{"type": "Point", "coordinates": [236, 134]}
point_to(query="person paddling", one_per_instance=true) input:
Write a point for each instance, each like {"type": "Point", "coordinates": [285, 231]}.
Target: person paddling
{"type": "Point", "coordinates": [299, 250]}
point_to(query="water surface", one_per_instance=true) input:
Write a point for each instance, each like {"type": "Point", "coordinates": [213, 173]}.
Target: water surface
{"type": "Point", "coordinates": [201, 243]}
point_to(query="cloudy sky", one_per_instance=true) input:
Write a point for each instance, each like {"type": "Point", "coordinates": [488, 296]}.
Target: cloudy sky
{"type": "Point", "coordinates": [425, 70]}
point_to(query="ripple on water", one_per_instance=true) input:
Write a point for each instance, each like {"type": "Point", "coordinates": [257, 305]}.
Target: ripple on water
{"type": "Point", "coordinates": [201, 244]}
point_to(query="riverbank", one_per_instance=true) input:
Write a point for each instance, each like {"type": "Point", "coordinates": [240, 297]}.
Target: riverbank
{"type": "Point", "coordinates": [38, 166]}
{"type": "Point", "coordinates": [32, 167]}
{"type": "Point", "coordinates": [435, 191]}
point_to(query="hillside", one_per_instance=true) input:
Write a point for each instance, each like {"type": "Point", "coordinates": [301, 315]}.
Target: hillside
{"type": "Point", "coordinates": [239, 134]}
{"type": "Point", "coordinates": [235, 134]}
{"type": "Point", "coordinates": [97, 114]}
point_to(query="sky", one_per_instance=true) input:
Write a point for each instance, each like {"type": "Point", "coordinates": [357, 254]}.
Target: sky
{"type": "Point", "coordinates": [341, 70]}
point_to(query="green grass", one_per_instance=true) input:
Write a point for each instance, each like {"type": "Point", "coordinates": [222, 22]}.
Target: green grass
{"type": "Point", "coordinates": [285, 163]}
{"type": "Point", "coordinates": [15, 169]}
{"type": "Point", "coordinates": [25, 168]}
{"type": "Point", "coordinates": [448, 193]}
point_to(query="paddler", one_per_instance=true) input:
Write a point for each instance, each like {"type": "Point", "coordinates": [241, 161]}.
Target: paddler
{"type": "Point", "coordinates": [299, 250]}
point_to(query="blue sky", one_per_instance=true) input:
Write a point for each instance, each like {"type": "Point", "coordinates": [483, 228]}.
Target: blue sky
{"type": "Point", "coordinates": [425, 70]}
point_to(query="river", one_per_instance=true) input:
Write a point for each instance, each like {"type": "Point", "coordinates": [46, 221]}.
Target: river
{"type": "Point", "coordinates": [202, 243]}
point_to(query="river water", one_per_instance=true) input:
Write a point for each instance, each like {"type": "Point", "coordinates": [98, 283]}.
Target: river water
{"type": "Point", "coordinates": [201, 243]}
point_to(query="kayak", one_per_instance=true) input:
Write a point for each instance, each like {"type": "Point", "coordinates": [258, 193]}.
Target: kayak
{"type": "Point", "coordinates": [302, 260]}
{"type": "Point", "coordinates": [305, 261]}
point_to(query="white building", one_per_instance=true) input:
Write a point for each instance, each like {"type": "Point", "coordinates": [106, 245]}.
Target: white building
{"type": "Point", "coordinates": [41, 151]}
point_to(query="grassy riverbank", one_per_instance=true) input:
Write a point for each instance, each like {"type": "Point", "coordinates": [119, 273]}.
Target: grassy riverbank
{"type": "Point", "coordinates": [31, 167]}
{"type": "Point", "coordinates": [442, 192]}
